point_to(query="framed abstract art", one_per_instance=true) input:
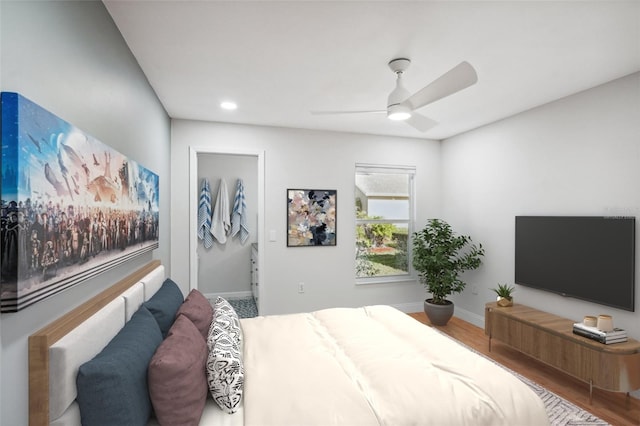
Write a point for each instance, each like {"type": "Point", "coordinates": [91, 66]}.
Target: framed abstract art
{"type": "Point", "coordinates": [311, 217]}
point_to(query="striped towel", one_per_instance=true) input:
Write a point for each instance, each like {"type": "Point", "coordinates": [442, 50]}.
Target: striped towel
{"type": "Point", "coordinates": [204, 215]}
{"type": "Point", "coordinates": [239, 215]}
{"type": "Point", "coordinates": [221, 221]}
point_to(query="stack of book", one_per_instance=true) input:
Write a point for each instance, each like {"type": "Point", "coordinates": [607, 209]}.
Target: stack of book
{"type": "Point", "coordinates": [618, 335]}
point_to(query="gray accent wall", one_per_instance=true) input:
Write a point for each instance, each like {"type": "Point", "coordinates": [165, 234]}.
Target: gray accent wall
{"type": "Point", "coordinates": [578, 156]}
{"type": "Point", "coordinates": [69, 58]}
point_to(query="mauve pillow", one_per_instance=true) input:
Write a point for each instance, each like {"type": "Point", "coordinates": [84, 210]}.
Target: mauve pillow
{"type": "Point", "coordinates": [177, 375]}
{"type": "Point", "coordinates": [197, 308]}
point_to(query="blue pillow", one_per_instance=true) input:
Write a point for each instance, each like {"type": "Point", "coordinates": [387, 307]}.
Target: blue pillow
{"type": "Point", "coordinates": [112, 387]}
{"type": "Point", "coordinates": [164, 305]}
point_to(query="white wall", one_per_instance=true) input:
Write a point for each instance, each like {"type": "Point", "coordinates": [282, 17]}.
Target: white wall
{"type": "Point", "coordinates": [225, 268]}
{"type": "Point", "coordinates": [69, 58]}
{"type": "Point", "coordinates": [307, 159]}
{"type": "Point", "coordinates": [577, 156]}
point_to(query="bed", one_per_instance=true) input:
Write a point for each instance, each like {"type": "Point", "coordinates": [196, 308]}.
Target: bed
{"type": "Point", "coordinates": [343, 366]}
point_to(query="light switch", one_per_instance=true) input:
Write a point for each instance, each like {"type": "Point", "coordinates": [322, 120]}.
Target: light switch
{"type": "Point", "coordinates": [272, 235]}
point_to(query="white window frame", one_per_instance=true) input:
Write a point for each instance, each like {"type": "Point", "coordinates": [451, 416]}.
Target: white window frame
{"type": "Point", "coordinates": [410, 171]}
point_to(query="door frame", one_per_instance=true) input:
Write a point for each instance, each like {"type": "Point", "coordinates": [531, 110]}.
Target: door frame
{"type": "Point", "coordinates": [194, 195]}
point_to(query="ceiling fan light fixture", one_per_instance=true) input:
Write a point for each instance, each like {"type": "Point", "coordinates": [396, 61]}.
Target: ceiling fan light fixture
{"type": "Point", "coordinates": [398, 112]}
{"type": "Point", "coordinates": [404, 106]}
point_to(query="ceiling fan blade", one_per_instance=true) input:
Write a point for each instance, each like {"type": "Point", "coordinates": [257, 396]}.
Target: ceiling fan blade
{"type": "Point", "coordinates": [460, 77]}
{"type": "Point", "coordinates": [348, 112]}
{"type": "Point", "coordinates": [420, 122]}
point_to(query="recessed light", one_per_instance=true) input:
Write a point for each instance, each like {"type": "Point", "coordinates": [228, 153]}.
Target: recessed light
{"type": "Point", "coordinates": [228, 105]}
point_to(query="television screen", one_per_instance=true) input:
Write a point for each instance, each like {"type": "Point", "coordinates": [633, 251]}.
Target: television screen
{"type": "Point", "coordinates": [589, 258]}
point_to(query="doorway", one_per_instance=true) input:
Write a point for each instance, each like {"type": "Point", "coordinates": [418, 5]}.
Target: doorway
{"type": "Point", "coordinates": [227, 268]}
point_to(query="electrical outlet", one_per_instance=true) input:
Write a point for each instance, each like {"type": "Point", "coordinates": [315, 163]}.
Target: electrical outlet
{"type": "Point", "coordinates": [300, 287]}
{"type": "Point", "coordinates": [474, 289]}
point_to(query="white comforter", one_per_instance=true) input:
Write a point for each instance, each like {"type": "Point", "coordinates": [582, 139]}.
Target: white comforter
{"type": "Point", "coordinates": [373, 366]}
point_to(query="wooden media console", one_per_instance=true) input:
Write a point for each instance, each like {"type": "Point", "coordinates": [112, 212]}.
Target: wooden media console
{"type": "Point", "coordinates": [550, 339]}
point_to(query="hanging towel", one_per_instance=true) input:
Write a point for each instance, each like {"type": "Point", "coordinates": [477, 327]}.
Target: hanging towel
{"type": "Point", "coordinates": [221, 222]}
{"type": "Point", "coordinates": [239, 215]}
{"type": "Point", "coordinates": [204, 215]}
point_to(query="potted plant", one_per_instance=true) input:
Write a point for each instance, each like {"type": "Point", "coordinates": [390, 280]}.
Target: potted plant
{"type": "Point", "coordinates": [504, 297]}
{"type": "Point", "coordinates": [439, 256]}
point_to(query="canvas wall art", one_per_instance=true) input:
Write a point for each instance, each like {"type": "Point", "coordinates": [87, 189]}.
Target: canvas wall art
{"type": "Point", "coordinates": [72, 207]}
{"type": "Point", "coordinates": [311, 217]}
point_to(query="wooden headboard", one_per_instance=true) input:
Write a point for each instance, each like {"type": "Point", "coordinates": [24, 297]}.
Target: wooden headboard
{"type": "Point", "coordinates": [41, 341]}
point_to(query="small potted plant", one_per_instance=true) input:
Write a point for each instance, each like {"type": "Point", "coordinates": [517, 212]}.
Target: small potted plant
{"type": "Point", "coordinates": [504, 292]}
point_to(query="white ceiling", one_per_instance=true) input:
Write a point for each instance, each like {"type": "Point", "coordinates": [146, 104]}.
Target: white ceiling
{"type": "Point", "coordinates": [281, 60]}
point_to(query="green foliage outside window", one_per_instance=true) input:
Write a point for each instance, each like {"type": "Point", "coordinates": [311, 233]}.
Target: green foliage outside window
{"type": "Point", "coordinates": [381, 248]}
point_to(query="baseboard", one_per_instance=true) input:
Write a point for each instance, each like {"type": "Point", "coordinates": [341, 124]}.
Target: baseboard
{"type": "Point", "coordinates": [463, 314]}
{"type": "Point", "coordinates": [409, 308]}
{"type": "Point", "coordinates": [229, 295]}
{"type": "Point", "coordinates": [475, 319]}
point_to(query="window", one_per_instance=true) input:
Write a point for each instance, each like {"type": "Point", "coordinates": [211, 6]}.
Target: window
{"type": "Point", "coordinates": [384, 198]}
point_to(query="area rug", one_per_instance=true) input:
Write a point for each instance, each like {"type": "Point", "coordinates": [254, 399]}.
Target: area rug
{"type": "Point", "coordinates": [560, 411]}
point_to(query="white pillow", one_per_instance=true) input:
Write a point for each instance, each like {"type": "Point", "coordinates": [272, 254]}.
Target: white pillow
{"type": "Point", "coordinates": [225, 319]}
{"type": "Point", "coordinates": [225, 372]}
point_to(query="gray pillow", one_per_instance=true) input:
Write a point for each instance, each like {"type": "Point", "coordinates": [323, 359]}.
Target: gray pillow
{"type": "Point", "coordinates": [112, 387]}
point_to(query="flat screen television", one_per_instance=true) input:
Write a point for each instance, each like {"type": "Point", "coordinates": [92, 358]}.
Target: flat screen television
{"type": "Point", "coordinates": [586, 257]}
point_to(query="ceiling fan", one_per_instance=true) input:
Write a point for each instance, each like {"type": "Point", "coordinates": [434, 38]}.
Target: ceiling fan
{"type": "Point", "coordinates": [402, 106]}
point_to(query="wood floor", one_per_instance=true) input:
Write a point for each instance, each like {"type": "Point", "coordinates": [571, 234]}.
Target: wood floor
{"type": "Point", "coordinates": [612, 407]}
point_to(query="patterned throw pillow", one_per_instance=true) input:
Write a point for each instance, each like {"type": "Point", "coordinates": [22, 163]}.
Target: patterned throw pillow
{"type": "Point", "coordinates": [225, 321]}
{"type": "Point", "coordinates": [225, 373]}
